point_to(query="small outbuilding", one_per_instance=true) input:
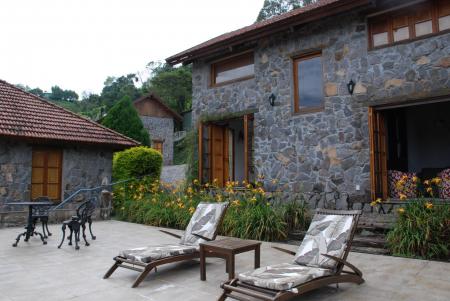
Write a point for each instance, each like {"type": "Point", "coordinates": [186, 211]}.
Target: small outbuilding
{"type": "Point", "coordinates": [46, 150]}
{"type": "Point", "coordinates": [159, 120]}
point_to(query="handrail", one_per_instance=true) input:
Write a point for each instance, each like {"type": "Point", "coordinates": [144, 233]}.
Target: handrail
{"type": "Point", "coordinates": [70, 197]}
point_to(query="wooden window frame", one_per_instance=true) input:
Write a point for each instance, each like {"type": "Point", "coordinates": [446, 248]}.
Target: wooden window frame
{"type": "Point", "coordinates": [411, 25]}
{"type": "Point", "coordinates": [226, 60]}
{"type": "Point", "coordinates": [295, 62]}
{"type": "Point", "coordinates": [45, 172]}
{"type": "Point", "coordinates": [158, 141]}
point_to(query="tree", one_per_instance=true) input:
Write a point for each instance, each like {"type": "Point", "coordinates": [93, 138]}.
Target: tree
{"type": "Point", "coordinates": [273, 8]}
{"type": "Point", "coordinates": [124, 118]}
{"type": "Point", "coordinates": [117, 88]}
{"type": "Point", "coordinates": [59, 94]}
{"type": "Point", "coordinates": [173, 85]}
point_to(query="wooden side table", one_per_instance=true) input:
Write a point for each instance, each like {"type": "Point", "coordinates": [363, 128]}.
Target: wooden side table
{"type": "Point", "coordinates": [227, 248]}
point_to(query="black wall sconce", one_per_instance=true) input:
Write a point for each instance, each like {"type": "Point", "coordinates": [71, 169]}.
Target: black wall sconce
{"type": "Point", "coordinates": [272, 98]}
{"type": "Point", "coordinates": [351, 86]}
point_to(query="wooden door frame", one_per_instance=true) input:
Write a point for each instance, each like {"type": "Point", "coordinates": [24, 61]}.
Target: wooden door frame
{"type": "Point", "coordinates": [378, 160]}
{"type": "Point", "coordinates": [246, 118]}
{"type": "Point", "coordinates": [45, 172]}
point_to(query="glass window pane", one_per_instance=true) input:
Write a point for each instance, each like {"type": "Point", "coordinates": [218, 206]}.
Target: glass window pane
{"type": "Point", "coordinates": [444, 23]}
{"type": "Point", "coordinates": [310, 83]}
{"type": "Point", "coordinates": [401, 34]}
{"type": "Point", "coordinates": [380, 39]}
{"type": "Point", "coordinates": [235, 73]}
{"type": "Point", "coordinates": [424, 28]}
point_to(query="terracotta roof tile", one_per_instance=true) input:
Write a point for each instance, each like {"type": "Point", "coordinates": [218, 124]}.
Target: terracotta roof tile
{"type": "Point", "coordinates": [25, 115]}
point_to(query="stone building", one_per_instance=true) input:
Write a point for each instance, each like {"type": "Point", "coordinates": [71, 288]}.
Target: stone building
{"type": "Point", "coordinates": [335, 94]}
{"type": "Point", "coordinates": [46, 150]}
{"type": "Point", "coordinates": [159, 120]}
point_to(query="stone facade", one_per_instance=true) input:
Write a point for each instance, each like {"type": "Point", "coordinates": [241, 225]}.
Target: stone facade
{"type": "Point", "coordinates": [161, 129]}
{"type": "Point", "coordinates": [331, 147]}
{"type": "Point", "coordinates": [83, 167]}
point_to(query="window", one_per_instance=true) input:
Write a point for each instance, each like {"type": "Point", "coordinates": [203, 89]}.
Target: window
{"type": "Point", "coordinates": [408, 23]}
{"type": "Point", "coordinates": [46, 173]}
{"type": "Point", "coordinates": [233, 69]}
{"type": "Point", "coordinates": [158, 145]}
{"type": "Point", "coordinates": [308, 83]}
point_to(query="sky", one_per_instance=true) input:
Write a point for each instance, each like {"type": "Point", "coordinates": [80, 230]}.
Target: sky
{"type": "Point", "coordinates": [77, 44]}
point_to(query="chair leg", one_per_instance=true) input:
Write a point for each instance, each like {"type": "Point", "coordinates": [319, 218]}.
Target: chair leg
{"type": "Point", "coordinates": [84, 235]}
{"type": "Point", "coordinates": [43, 228]}
{"type": "Point", "coordinates": [46, 226]}
{"type": "Point", "coordinates": [69, 238]}
{"type": "Point", "coordinates": [18, 238]}
{"type": "Point", "coordinates": [77, 236]}
{"type": "Point", "coordinates": [142, 276]}
{"type": "Point", "coordinates": [111, 270]}
{"type": "Point", "coordinates": [64, 235]}
{"type": "Point", "coordinates": [90, 229]}
{"type": "Point", "coordinates": [41, 236]}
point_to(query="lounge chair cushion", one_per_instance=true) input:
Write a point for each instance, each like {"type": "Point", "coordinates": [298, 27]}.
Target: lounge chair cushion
{"type": "Point", "coordinates": [152, 253]}
{"type": "Point", "coordinates": [327, 234]}
{"type": "Point", "coordinates": [282, 276]}
{"type": "Point", "coordinates": [204, 222]}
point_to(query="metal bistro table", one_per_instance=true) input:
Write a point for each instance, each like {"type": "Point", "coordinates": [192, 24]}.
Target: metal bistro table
{"type": "Point", "coordinates": [30, 227]}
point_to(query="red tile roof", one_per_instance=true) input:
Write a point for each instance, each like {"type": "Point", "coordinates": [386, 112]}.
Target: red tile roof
{"type": "Point", "coordinates": [305, 14]}
{"type": "Point", "coordinates": [24, 115]}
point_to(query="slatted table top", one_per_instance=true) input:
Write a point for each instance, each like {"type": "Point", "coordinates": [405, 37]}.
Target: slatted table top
{"type": "Point", "coordinates": [231, 243]}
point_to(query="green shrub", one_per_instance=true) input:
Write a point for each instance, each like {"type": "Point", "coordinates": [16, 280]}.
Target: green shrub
{"type": "Point", "coordinates": [124, 118]}
{"type": "Point", "coordinates": [421, 230]}
{"type": "Point", "coordinates": [296, 214]}
{"type": "Point", "coordinates": [136, 162]}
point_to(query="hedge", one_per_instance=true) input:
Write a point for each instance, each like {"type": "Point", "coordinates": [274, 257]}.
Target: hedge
{"type": "Point", "coordinates": [136, 162]}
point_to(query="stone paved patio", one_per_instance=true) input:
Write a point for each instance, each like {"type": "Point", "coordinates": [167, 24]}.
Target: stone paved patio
{"type": "Point", "coordinates": [36, 272]}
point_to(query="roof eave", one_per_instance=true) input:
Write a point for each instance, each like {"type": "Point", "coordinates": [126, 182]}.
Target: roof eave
{"type": "Point", "coordinates": [187, 56]}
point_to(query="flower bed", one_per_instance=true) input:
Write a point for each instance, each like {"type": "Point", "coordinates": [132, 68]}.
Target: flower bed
{"type": "Point", "coordinates": [253, 213]}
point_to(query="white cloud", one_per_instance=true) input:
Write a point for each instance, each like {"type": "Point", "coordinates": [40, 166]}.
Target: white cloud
{"type": "Point", "coordinates": [77, 44]}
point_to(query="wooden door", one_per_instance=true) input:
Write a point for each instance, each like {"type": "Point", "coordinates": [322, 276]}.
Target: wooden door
{"type": "Point", "coordinates": [46, 173]}
{"type": "Point", "coordinates": [219, 154]}
{"type": "Point", "coordinates": [378, 160]}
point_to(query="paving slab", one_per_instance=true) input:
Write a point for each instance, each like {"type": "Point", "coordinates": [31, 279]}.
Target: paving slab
{"type": "Point", "coordinates": [33, 271]}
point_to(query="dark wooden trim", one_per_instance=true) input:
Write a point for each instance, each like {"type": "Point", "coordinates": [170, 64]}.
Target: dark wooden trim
{"type": "Point", "coordinates": [412, 31]}
{"type": "Point", "coordinates": [246, 147]}
{"type": "Point", "coordinates": [295, 61]}
{"type": "Point", "coordinates": [249, 53]}
{"type": "Point", "coordinates": [237, 80]}
{"type": "Point", "coordinates": [200, 152]}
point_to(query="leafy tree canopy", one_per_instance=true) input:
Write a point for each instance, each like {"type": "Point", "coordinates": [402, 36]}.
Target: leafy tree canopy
{"type": "Point", "coordinates": [123, 118]}
{"type": "Point", "coordinates": [116, 88]}
{"type": "Point", "coordinates": [273, 8]}
{"type": "Point", "coordinates": [172, 84]}
{"type": "Point", "coordinates": [60, 94]}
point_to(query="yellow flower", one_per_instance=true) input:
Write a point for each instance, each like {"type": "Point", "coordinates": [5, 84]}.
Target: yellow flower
{"type": "Point", "coordinates": [207, 185]}
{"type": "Point", "coordinates": [415, 179]}
{"type": "Point", "coordinates": [235, 203]}
{"type": "Point", "coordinates": [253, 200]}
{"type": "Point", "coordinates": [274, 181]}
{"type": "Point", "coordinates": [373, 203]}
{"type": "Point", "coordinates": [426, 182]}
{"type": "Point", "coordinates": [180, 205]}
{"type": "Point", "coordinates": [249, 186]}
{"type": "Point", "coordinates": [402, 196]}
{"type": "Point", "coordinates": [195, 182]}
{"type": "Point", "coordinates": [436, 180]}
{"type": "Point", "coordinates": [428, 205]}
{"type": "Point", "coordinates": [379, 200]}
{"type": "Point", "coordinates": [191, 210]}
{"type": "Point", "coordinates": [401, 210]}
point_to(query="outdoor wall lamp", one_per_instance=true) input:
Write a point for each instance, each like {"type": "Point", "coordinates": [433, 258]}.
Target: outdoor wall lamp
{"type": "Point", "coordinates": [272, 98]}
{"type": "Point", "coordinates": [351, 86]}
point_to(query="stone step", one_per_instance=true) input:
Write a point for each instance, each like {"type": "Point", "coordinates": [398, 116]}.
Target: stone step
{"type": "Point", "coordinates": [372, 241]}
{"type": "Point", "coordinates": [370, 250]}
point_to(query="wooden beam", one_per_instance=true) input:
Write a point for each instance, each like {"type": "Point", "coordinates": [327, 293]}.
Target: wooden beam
{"type": "Point", "coordinates": [246, 147]}
{"type": "Point", "coordinates": [200, 151]}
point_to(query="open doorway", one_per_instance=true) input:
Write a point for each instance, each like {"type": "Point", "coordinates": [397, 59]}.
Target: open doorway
{"type": "Point", "coordinates": [412, 140]}
{"type": "Point", "coordinates": [226, 148]}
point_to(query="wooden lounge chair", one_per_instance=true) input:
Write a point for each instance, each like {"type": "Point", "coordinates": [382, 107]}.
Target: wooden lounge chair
{"type": "Point", "coordinates": [319, 261]}
{"type": "Point", "coordinates": [203, 226]}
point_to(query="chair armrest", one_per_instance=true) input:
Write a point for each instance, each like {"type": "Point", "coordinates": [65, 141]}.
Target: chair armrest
{"type": "Point", "coordinates": [202, 237]}
{"type": "Point", "coordinates": [345, 263]}
{"type": "Point", "coordinates": [284, 250]}
{"type": "Point", "coordinates": [170, 233]}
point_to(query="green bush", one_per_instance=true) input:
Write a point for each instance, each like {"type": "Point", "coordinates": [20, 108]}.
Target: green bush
{"type": "Point", "coordinates": [421, 230]}
{"type": "Point", "coordinates": [137, 162]}
{"type": "Point", "coordinates": [296, 214]}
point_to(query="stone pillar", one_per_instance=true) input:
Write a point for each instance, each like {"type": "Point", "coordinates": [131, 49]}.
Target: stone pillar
{"type": "Point", "coordinates": [106, 204]}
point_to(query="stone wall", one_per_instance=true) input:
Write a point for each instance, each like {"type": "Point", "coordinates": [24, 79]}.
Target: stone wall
{"type": "Point", "coordinates": [161, 129]}
{"type": "Point", "coordinates": [83, 167]}
{"type": "Point", "coordinates": [329, 148]}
